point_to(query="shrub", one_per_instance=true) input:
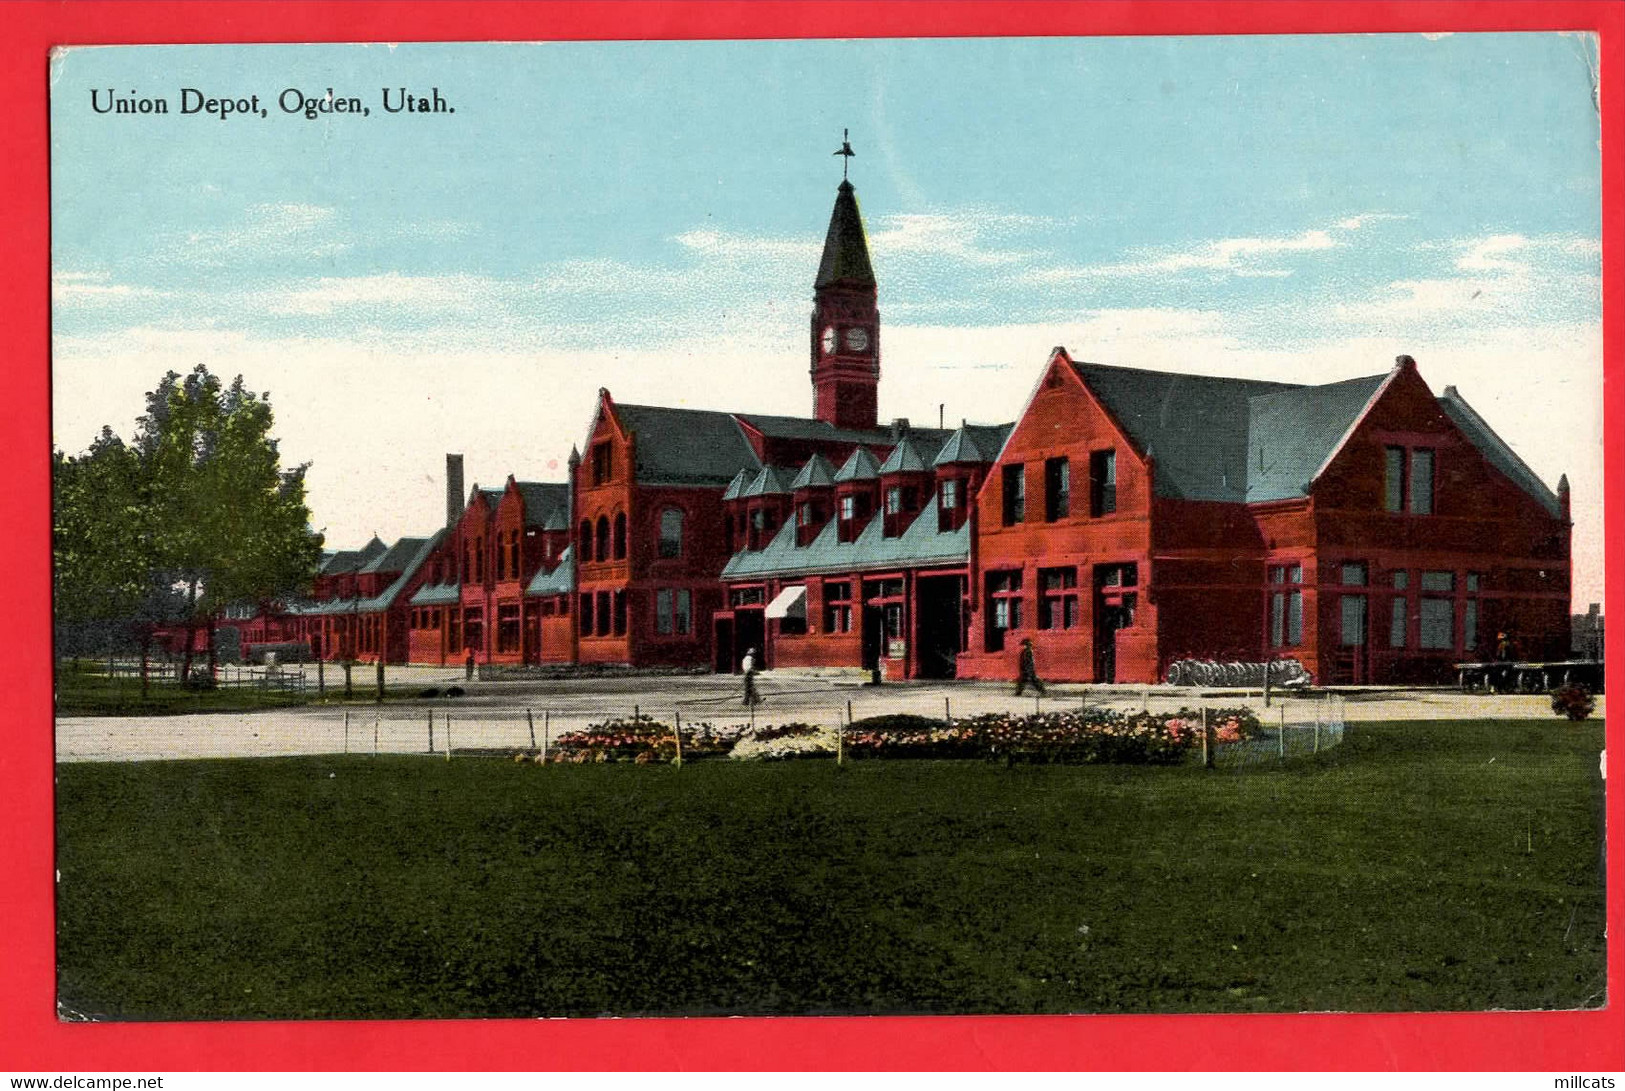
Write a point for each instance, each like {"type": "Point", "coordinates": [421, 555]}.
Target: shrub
{"type": "Point", "coordinates": [1575, 702]}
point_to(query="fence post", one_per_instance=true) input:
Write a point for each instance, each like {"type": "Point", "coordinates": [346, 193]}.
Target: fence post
{"type": "Point", "coordinates": [1207, 740]}
{"type": "Point", "coordinates": [677, 730]}
{"type": "Point", "coordinates": [947, 710]}
{"type": "Point", "coordinates": [840, 735]}
{"type": "Point", "coordinates": [448, 736]}
{"type": "Point", "coordinates": [1282, 737]}
{"type": "Point", "coordinates": [1266, 683]}
{"type": "Point", "coordinates": [431, 731]}
{"type": "Point", "coordinates": [635, 713]}
{"type": "Point", "coordinates": [530, 722]}
{"type": "Point", "coordinates": [375, 725]}
{"type": "Point", "coordinates": [547, 730]}
{"type": "Point", "coordinates": [346, 731]}
{"type": "Point", "coordinates": [1317, 727]}
{"type": "Point", "coordinates": [321, 682]}
{"type": "Point", "coordinates": [848, 712]}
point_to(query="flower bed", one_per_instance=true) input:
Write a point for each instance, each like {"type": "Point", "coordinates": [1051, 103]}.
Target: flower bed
{"type": "Point", "coordinates": [641, 739]}
{"type": "Point", "coordinates": [779, 742]}
{"type": "Point", "coordinates": [1076, 737]}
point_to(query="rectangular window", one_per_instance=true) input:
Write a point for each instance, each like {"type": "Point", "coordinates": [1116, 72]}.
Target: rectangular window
{"type": "Point", "coordinates": [664, 614]}
{"type": "Point", "coordinates": [1354, 574]}
{"type": "Point", "coordinates": [1004, 606]}
{"type": "Point", "coordinates": [1439, 581]}
{"type": "Point", "coordinates": [849, 508]}
{"type": "Point", "coordinates": [508, 628]}
{"type": "Point", "coordinates": [620, 613]}
{"type": "Point", "coordinates": [837, 607]}
{"type": "Point", "coordinates": [894, 499]}
{"type": "Point", "coordinates": [1102, 483]}
{"type": "Point", "coordinates": [1015, 495]}
{"type": "Point", "coordinates": [602, 464]}
{"type": "Point", "coordinates": [746, 596]}
{"type": "Point", "coordinates": [1397, 623]}
{"type": "Point", "coordinates": [1353, 618]}
{"type": "Point", "coordinates": [1286, 606]}
{"type": "Point", "coordinates": [1058, 599]}
{"type": "Point", "coordinates": [1422, 481]}
{"type": "Point", "coordinates": [585, 613]}
{"type": "Point", "coordinates": [1057, 489]}
{"type": "Point", "coordinates": [1469, 624]}
{"type": "Point", "coordinates": [685, 611]}
{"type": "Point", "coordinates": [950, 493]}
{"type": "Point", "coordinates": [1437, 623]}
{"type": "Point", "coordinates": [1393, 479]}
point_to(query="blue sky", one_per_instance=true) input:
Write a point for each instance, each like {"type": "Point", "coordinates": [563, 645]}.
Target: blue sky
{"type": "Point", "coordinates": [647, 217]}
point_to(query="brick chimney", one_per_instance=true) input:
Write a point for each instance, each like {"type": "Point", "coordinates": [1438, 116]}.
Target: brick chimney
{"type": "Point", "coordinates": [454, 490]}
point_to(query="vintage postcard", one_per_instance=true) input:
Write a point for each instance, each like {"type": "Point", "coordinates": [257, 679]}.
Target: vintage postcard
{"type": "Point", "coordinates": [828, 527]}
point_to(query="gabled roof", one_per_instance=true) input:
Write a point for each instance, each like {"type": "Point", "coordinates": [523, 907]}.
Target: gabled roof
{"type": "Point", "coordinates": [769, 481]}
{"type": "Point", "coordinates": [904, 458]}
{"type": "Point", "coordinates": [846, 249]}
{"type": "Point", "coordinates": [559, 581]}
{"type": "Point", "coordinates": [1194, 426]}
{"type": "Point", "coordinates": [817, 473]}
{"type": "Point", "coordinates": [920, 545]}
{"type": "Point", "coordinates": [811, 428]}
{"type": "Point", "coordinates": [686, 446]}
{"type": "Point", "coordinates": [419, 557]}
{"type": "Point", "coordinates": [352, 560]}
{"type": "Point", "coordinates": [1290, 434]}
{"type": "Point", "coordinates": [1496, 451]}
{"type": "Point", "coordinates": [973, 443]}
{"type": "Point", "coordinates": [861, 466]}
{"type": "Point", "coordinates": [542, 500]}
{"type": "Point", "coordinates": [558, 519]}
{"type": "Point", "coordinates": [736, 487]}
{"type": "Point", "coordinates": [396, 557]}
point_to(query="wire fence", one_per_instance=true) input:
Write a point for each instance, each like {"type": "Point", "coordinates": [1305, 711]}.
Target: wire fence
{"type": "Point", "coordinates": [1291, 729]}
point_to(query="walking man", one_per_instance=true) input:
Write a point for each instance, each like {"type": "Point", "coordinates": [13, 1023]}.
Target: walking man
{"type": "Point", "coordinates": [748, 666]}
{"type": "Point", "coordinates": [1028, 675]}
{"type": "Point", "coordinates": [468, 666]}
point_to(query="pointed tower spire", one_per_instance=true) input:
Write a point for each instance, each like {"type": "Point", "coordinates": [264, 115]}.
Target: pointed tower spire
{"type": "Point", "coordinates": [845, 318]}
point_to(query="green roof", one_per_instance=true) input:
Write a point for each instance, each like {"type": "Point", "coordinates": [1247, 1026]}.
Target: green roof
{"type": "Point", "coordinates": [904, 458]}
{"type": "Point", "coordinates": [1495, 450]}
{"type": "Point", "coordinates": [736, 487]}
{"type": "Point", "coordinates": [769, 481]}
{"type": "Point", "coordinates": [918, 546]}
{"type": "Point", "coordinates": [1194, 426]}
{"type": "Point", "coordinates": [560, 581]}
{"type": "Point", "coordinates": [686, 446]}
{"type": "Point", "coordinates": [861, 466]}
{"type": "Point", "coordinates": [544, 499]}
{"type": "Point", "coordinates": [817, 473]}
{"type": "Point", "coordinates": [1290, 435]}
{"type": "Point", "coordinates": [396, 557]}
{"type": "Point", "coordinates": [973, 443]}
{"type": "Point", "coordinates": [437, 594]}
{"type": "Point", "coordinates": [846, 248]}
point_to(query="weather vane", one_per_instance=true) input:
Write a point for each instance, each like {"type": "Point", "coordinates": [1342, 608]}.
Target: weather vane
{"type": "Point", "coordinates": [846, 150]}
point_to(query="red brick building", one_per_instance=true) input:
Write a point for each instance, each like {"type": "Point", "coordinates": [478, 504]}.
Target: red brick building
{"type": "Point", "coordinates": [1369, 528]}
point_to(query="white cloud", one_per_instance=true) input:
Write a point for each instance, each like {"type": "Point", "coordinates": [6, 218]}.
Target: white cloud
{"type": "Point", "coordinates": [264, 230]}
{"type": "Point", "coordinates": [1241, 257]}
{"type": "Point", "coordinates": [68, 287]}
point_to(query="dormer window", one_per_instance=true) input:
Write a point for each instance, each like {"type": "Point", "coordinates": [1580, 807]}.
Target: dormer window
{"type": "Point", "coordinates": [602, 462]}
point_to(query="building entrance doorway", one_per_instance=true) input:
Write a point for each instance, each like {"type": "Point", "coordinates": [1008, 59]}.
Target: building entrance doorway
{"type": "Point", "coordinates": [1115, 597]}
{"type": "Point", "coordinates": [724, 660]}
{"type": "Point", "coordinates": [937, 639]}
{"type": "Point", "coordinates": [874, 637]}
{"type": "Point", "coordinates": [749, 630]}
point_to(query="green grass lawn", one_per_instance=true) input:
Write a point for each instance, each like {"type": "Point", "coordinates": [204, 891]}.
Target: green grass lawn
{"type": "Point", "coordinates": [1418, 866]}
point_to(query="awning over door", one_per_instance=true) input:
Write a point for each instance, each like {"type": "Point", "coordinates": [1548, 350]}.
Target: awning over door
{"type": "Point", "coordinates": [791, 602]}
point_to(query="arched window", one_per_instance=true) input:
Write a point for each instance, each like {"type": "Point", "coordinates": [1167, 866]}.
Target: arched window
{"type": "Point", "coordinates": [603, 538]}
{"type": "Point", "coordinates": [620, 536]}
{"type": "Point", "coordinates": [584, 538]}
{"type": "Point", "coordinates": [671, 533]}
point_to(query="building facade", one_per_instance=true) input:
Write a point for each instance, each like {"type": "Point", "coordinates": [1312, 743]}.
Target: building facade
{"type": "Point", "coordinates": [1128, 519]}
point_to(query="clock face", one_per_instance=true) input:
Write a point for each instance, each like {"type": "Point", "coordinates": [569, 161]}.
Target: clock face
{"type": "Point", "coordinates": [829, 338]}
{"type": "Point", "coordinates": [857, 339]}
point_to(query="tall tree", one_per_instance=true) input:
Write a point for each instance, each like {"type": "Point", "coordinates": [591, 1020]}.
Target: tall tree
{"type": "Point", "coordinates": [198, 504]}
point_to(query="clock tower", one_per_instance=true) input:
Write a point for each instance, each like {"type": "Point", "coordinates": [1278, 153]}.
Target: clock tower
{"type": "Point", "coordinates": [845, 322]}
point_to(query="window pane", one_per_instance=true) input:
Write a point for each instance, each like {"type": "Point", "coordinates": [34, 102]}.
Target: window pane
{"type": "Point", "coordinates": [1277, 619]}
{"type": "Point", "coordinates": [1354, 574]}
{"type": "Point", "coordinates": [1396, 626]}
{"type": "Point", "coordinates": [1438, 581]}
{"type": "Point", "coordinates": [1353, 634]}
{"type": "Point", "coordinates": [1294, 618]}
{"type": "Point", "coordinates": [1469, 624]}
{"type": "Point", "coordinates": [1437, 624]}
{"type": "Point", "coordinates": [1393, 479]}
{"type": "Point", "coordinates": [1422, 481]}
{"type": "Point", "coordinates": [685, 614]}
{"type": "Point", "coordinates": [663, 611]}
{"type": "Point", "coordinates": [1402, 580]}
